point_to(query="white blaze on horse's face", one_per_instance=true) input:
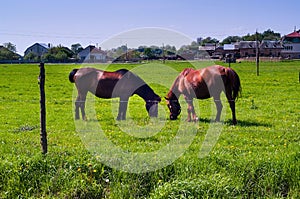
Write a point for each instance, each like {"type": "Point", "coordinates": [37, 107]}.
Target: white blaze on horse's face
{"type": "Point", "coordinates": [174, 108]}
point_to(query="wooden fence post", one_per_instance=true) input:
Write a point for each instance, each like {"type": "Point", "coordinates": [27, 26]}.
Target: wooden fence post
{"type": "Point", "coordinates": [43, 133]}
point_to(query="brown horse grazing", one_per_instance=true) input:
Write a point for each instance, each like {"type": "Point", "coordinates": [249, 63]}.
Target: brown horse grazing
{"type": "Point", "coordinates": [121, 83]}
{"type": "Point", "coordinates": [202, 84]}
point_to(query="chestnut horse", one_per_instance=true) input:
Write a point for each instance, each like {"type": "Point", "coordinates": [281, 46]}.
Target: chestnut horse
{"type": "Point", "coordinates": [121, 83]}
{"type": "Point", "coordinates": [202, 84]}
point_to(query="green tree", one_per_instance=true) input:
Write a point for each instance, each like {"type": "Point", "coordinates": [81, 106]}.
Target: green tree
{"type": "Point", "coordinates": [32, 57]}
{"type": "Point", "coordinates": [148, 53]}
{"type": "Point", "coordinates": [10, 46]}
{"type": "Point", "coordinates": [58, 54]}
{"type": "Point", "coordinates": [169, 49]}
{"type": "Point", "coordinates": [6, 54]}
{"type": "Point", "coordinates": [208, 40]}
{"type": "Point", "coordinates": [231, 39]}
{"type": "Point", "coordinates": [61, 56]}
{"type": "Point", "coordinates": [266, 35]}
{"type": "Point", "coordinates": [76, 48]}
{"type": "Point", "coordinates": [271, 35]}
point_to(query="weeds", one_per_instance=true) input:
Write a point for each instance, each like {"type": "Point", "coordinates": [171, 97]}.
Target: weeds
{"type": "Point", "coordinates": [257, 158]}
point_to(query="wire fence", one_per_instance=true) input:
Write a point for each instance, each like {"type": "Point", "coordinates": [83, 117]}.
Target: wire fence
{"type": "Point", "coordinates": [55, 101]}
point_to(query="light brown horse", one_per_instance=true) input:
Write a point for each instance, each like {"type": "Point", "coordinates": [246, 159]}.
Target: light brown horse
{"type": "Point", "coordinates": [202, 84]}
{"type": "Point", "coordinates": [121, 83]}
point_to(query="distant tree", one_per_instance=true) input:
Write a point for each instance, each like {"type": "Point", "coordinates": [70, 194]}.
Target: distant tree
{"type": "Point", "coordinates": [148, 53]}
{"type": "Point", "coordinates": [58, 54]}
{"type": "Point", "coordinates": [32, 57]}
{"type": "Point", "coordinates": [121, 50]}
{"type": "Point", "coordinates": [49, 57]}
{"type": "Point", "coordinates": [194, 46]}
{"type": "Point", "coordinates": [6, 54]}
{"type": "Point", "coordinates": [133, 55]}
{"type": "Point", "coordinates": [170, 49]}
{"type": "Point", "coordinates": [10, 46]}
{"type": "Point", "coordinates": [61, 56]}
{"type": "Point", "coordinates": [253, 37]}
{"type": "Point", "coordinates": [76, 48]}
{"type": "Point", "coordinates": [199, 40]}
{"type": "Point", "coordinates": [266, 35]}
{"type": "Point", "coordinates": [231, 39]}
{"type": "Point", "coordinates": [208, 40]}
{"type": "Point", "coordinates": [183, 49]}
{"type": "Point", "coordinates": [271, 35]}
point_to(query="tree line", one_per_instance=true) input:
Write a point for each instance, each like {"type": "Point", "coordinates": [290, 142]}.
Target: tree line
{"type": "Point", "coordinates": [64, 54]}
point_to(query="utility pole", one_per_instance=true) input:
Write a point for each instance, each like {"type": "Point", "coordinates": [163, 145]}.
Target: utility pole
{"type": "Point", "coordinates": [163, 52]}
{"type": "Point", "coordinates": [257, 54]}
{"type": "Point", "coordinates": [43, 133]}
{"type": "Point", "coordinates": [126, 53]}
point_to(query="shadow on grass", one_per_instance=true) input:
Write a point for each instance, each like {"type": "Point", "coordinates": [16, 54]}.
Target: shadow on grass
{"type": "Point", "coordinates": [248, 123]}
{"type": "Point", "coordinates": [205, 120]}
{"type": "Point", "coordinates": [242, 123]}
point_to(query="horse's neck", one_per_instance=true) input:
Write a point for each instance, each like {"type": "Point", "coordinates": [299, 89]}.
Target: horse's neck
{"type": "Point", "coordinates": [145, 92]}
{"type": "Point", "coordinates": [174, 92]}
{"type": "Point", "coordinates": [171, 95]}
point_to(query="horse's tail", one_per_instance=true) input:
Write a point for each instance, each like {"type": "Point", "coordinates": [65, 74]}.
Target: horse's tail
{"type": "Point", "coordinates": [71, 75]}
{"type": "Point", "coordinates": [235, 83]}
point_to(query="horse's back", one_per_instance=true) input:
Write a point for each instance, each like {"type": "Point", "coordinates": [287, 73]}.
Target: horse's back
{"type": "Point", "coordinates": [205, 82]}
{"type": "Point", "coordinates": [83, 73]}
{"type": "Point", "coordinates": [122, 71]}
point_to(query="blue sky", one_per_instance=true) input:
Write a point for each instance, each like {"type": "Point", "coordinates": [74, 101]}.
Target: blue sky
{"type": "Point", "coordinates": [87, 22]}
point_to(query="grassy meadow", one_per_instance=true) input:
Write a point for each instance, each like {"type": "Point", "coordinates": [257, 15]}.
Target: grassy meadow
{"type": "Point", "coordinates": [257, 158]}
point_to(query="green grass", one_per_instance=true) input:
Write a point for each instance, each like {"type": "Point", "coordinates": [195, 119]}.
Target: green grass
{"type": "Point", "coordinates": [258, 158]}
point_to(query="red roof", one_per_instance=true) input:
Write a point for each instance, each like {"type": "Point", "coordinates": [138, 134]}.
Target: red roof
{"type": "Point", "coordinates": [293, 34]}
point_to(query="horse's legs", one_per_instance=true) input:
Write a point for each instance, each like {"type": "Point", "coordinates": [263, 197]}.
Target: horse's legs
{"type": "Point", "coordinates": [191, 110]}
{"type": "Point", "coordinates": [122, 108]}
{"type": "Point", "coordinates": [77, 105]}
{"type": "Point", "coordinates": [219, 107]}
{"type": "Point", "coordinates": [232, 107]}
{"type": "Point", "coordinates": [80, 104]}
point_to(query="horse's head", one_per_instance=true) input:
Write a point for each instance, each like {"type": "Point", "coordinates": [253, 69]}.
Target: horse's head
{"type": "Point", "coordinates": [174, 108]}
{"type": "Point", "coordinates": [152, 106]}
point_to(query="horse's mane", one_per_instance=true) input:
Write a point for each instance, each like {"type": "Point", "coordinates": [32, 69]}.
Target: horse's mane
{"type": "Point", "coordinates": [176, 86]}
{"type": "Point", "coordinates": [143, 90]}
{"type": "Point", "coordinates": [186, 71]}
{"type": "Point", "coordinates": [122, 71]}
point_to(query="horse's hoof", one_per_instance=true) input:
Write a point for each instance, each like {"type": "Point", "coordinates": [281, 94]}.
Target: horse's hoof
{"type": "Point", "coordinates": [120, 119]}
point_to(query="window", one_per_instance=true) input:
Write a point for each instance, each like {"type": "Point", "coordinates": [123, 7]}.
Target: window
{"type": "Point", "coordinates": [288, 48]}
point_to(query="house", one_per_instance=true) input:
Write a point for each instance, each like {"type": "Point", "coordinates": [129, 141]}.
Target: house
{"type": "Point", "coordinates": [187, 55]}
{"type": "Point", "coordinates": [92, 54]}
{"type": "Point", "coordinates": [232, 50]}
{"type": "Point", "coordinates": [247, 48]}
{"type": "Point", "coordinates": [38, 49]}
{"type": "Point", "coordinates": [209, 48]}
{"type": "Point", "coordinates": [291, 45]}
{"type": "Point", "coordinates": [269, 48]}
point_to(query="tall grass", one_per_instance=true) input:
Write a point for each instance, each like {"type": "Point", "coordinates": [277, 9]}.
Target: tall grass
{"type": "Point", "coordinates": [258, 158]}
